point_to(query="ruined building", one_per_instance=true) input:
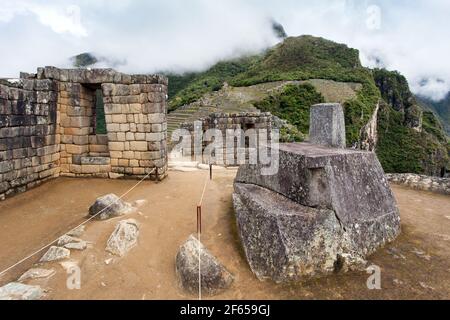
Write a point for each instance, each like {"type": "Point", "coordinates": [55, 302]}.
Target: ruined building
{"type": "Point", "coordinates": [81, 122]}
{"type": "Point", "coordinates": [238, 135]}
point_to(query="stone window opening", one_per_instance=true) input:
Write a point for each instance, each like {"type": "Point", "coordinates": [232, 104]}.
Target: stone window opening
{"type": "Point", "coordinates": [98, 109]}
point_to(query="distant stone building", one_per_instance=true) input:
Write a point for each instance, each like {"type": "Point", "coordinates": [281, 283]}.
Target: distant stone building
{"type": "Point", "coordinates": [241, 145]}
{"type": "Point", "coordinates": [81, 122]}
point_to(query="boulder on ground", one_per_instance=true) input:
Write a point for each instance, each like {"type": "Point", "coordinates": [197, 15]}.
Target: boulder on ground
{"type": "Point", "coordinates": [214, 277]}
{"type": "Point", "coordinates": [82, 245]}
{"type": "Point", "coordinates": [37, 273]}
{"type": "Point", "coordinates": [69, 242]}
{"type": "Point", "coordinates": [324, 210]}
{"type": "Point", "coordinates": [20, 291]}
{"type": "Point", "coordinates": [77, 232]}
{"type": "Point", "coordinates": [109, 206]}
{"type": "Point", "coordinates": [65, 239]}
{"type": "Point", "coordinates": [123, 238]}
{"type": "Point", "coordinates": [55, 253]}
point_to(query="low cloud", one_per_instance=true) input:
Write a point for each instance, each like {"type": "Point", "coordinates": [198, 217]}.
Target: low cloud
{"type": "Point", "coordinates": [178, 35]}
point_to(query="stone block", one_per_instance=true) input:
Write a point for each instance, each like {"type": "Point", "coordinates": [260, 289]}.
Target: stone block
{"type": "Point", "coordinates": [116, 154]}
{"type": "Point", "coordinates": [77, 149]}
{"type": "Point", "coordinates": [138, 145]}
{"type": "Point", "coordinates": [156, 118]}
{"type": "Point", "coordinates": [355, 212]}
{"type": "Point", "coordinates": [327, 125]}
{"type": "Point", "coordinates": [119, 118]}
{"type": "Point", "coordinates": [85, 168]}
{"type": "Point", "coordinates": [124, 127]}
{"type": "Point", "coordinates": [95, 160]}
{"type": "Point", "coordinates": [116, 146]}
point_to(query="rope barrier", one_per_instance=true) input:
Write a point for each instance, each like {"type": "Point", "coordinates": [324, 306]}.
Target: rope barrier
{"type": "Point", "coordinates": [199, 233]}
{"type": "Point", "coordinates": [81, 224]}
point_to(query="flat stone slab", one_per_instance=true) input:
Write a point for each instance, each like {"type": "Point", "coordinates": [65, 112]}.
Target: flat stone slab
{"type": "Point", "coordinates": [214, 277]}
{"type": "Point", "coordinates": [95, 160]}
{"type": "Point", "coordinates": [20, 291]}
{"type": "Point", "coordinates": [37, 273]}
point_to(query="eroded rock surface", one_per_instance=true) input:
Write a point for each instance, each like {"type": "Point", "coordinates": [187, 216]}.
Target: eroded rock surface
{"type": "Point", "coordinates": [55, 253]}
{"type": "Point", "coordinates": [37, 273]}
{"type": "Point", "coordinates": [214, 277]}
{"type": "Point", "coordinates": [69, 242]}
{"type": "Point", "coordinates": [123, 238]}
{"type": "Point", "coordinates": [109, 206]}
{"type": "Point", "coordinates": [77, 232]}
{"type": "Point", "coordinates": [20, 291]}
{"type": "Point", "coordinates": [324, 210]}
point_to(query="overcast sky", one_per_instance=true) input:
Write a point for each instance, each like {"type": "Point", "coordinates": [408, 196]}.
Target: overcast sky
{"type": "Point", "coordinates": [180, 35]}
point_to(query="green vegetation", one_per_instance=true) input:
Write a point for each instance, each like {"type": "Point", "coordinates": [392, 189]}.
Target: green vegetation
{"type": "Point", "coordinates": [296, 58]}
{"type": "Point", "coordinates": [299, 58]}
{"type": "Point", "coordinates": [401, 148]}
{"type": "Point", "coordinates": [100, 121]}
{"type": "Point", "coordinates": [394, 88]}
{"type": "Point", "coordinates": [191, 86]}
{"type": "Point", "coordinates": [404, 150]}
{"type": "Point", "coordinates": [84, 60]}
{"type": "Point", "coordinates": [358, 111]}
{"type": "Point", "coordinates": [432, 125]}
{"type": "Point", "coordinates": [292, 104]}
{"type": "Point", "coordinates": [440, 108]}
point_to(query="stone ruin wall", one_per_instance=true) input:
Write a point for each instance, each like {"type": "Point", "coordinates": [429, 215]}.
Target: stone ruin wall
{"type": "Point", "coordinates": [29, 139]}
{"type": "Point", "coordinates": [47, 127]}
{"type": "Point", "coordinates": [224, 122]}
{"type": "Point", "coordinates": [421, 182]}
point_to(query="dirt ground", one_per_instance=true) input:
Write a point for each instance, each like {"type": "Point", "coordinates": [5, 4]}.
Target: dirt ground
{"type": "Point", "coordinates": [415, 266]}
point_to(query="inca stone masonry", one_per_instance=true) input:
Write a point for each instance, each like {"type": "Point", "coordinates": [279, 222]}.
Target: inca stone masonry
{"type": "Point", "coordinates": [49, 126]}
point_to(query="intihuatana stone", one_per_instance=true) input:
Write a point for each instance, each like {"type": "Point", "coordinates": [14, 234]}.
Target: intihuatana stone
{"type": "Point", "coordinates": [324, 210]}
{"type": "Point", "coordinates": [123, 238]}
{"type": "Point", "coordinates": [109, 206]}
{"type": "Point", "coordinates": [327, 125]}
{"type": "Point", "coordinates": [214, 277]}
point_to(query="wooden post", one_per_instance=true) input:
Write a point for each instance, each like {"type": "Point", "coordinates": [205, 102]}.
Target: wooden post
{"type": "Point", "coordinates": [199, 219]}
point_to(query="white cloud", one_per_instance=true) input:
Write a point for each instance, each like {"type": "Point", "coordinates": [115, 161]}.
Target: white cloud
{"type": "Point", "coordinates": [410, 36]}
{"type": "Point", "coordinates": [61, 19]}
